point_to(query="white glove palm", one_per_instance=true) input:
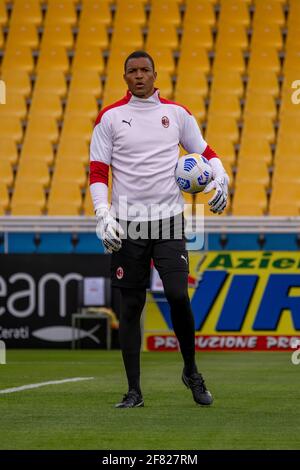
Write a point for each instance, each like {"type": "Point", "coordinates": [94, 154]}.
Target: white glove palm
{"type": "Point", "coordinates": [220, 183]}
{"type": "Point", "coordinates": [108, 229]}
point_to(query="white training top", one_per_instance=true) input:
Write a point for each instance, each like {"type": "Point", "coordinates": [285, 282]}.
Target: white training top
{"type": "Point", "coordinates": [139, 139]}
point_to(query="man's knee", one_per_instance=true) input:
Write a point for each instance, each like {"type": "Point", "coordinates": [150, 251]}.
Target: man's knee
{"type": "Point", "coordinates": [133, 301]}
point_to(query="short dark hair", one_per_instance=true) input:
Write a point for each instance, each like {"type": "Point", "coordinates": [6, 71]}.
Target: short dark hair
{"type": "Point", "coordinates": [137, 55]}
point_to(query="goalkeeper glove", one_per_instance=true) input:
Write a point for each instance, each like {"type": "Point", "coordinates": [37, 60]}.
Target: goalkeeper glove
{"type": "Point", "coordinates": [108, 229]}
{"type": "Point", "coordinates": [220, 183]}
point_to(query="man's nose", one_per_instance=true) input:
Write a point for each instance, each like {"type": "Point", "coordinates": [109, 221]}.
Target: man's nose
{"type": "Point", "coordinates": [139, 74]}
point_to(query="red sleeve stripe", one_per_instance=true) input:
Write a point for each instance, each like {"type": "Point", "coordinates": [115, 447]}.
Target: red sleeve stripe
{"type": "Point", "coordinates": [98, 173]}
{"type": "Point", "coordinates": [209, 153]}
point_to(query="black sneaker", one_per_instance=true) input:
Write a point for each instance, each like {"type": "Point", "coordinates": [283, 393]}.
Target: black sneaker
{"type": "Point", "coordinates": [132, 399]}
{"type": "Point", "coordinates": [197, 385]}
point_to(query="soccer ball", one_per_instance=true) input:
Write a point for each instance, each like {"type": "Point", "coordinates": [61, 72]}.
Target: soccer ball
{"type": "Point", "coordinates": [192, 173]}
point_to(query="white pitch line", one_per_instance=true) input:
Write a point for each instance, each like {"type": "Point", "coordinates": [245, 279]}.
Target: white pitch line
{"type": "Point", "coordinates": [43, 384]}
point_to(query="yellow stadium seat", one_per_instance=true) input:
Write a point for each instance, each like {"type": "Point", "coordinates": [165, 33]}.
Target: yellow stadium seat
{"type": "Point", "coordinates": [82, 104]}
{"type": "Point", "coordinates": [37, 148]}
{"type": "Point", "coordinates": [163, 59]}
{"type": "Point", "coordinates": [86, 81]}
{"type": "Point", "coordinates": [231, 35]}
{"type": "Point", "coordinates": [249, 169]}
{"type": "Point", "coordinates": [74, 149]}
{"type": "Point", "coordinates": [164, 12]}
{"type": "Point", "coordinates": [57, 35]}
{"type": "Point", "coordinates": [224, 148]}
{"type": "Point", "coordinates": [3, 14]}
{"type": "Point", "coordinates": [224, 105]}
{"type": "Point", "coordinates": [287, 148]}
{"type": "Point", "coordinates": [195, 83]}
{"type": "Point", "coordinates": [249, 199]}
{"type": "Point", "coordinates": [45, 103]}
{"type": "Point", "coordinates": [33, 171]}
{"type": "Point", "coordinates": [197, 36]}
{"type": "Point", "coordinates": [4, 199]}
{"type": "Point", "coordinates": [249, 208]}
{"type": "Point", "coordinates": [75, 126]}
{"type": "Point", "coordinates": [261, 151]}
{"type": "Point", "coordinates": [289, 125]}
{"type": "Point", "coordinates": [229, 59]}
{"type": "Point", "coordinates": [88, 58]}
{"type": "Point", "coordinates": [117, 57]}
{"type": "Point", "coordinates": [70, 171]}
{"type": "Point", "coordinates": [42, 127]}
{"type": "Point", "coordinates": [263, 81]}
{"type": "Point", "coordinates": [234, 12]}
{"type": "Point", "coordinates": [32, 208]}
{"type": "Point", "coordinates": [27, 11]}
{"type": "Point", "coordinates": [15, 105]}
{"type": "Point", "coordinates": [18, 58]}
{"type": "Point", "coordinates": [52, 81]}
{"type": "Point", "coordinates": [286, 193]}
{"type": "Point", "coordinates": [95, 12]}
{"type": "Point", "coordinates": [8, 150]}
{"type": "Point", "coordinates": [217, 125]}
{"type": "Point", "coordinates": [128, 35]}
{"type": "Point", "coordinates": [287, 106]}
{"type": "Point", "coordinates": [60, 11]}
{"type": "Point", "coordinates": [264, 59]}
{"type": "Point", "coordinates": [260, 104]}
{"type": "Point", "coordinates": [293, 41]}
{"type": "Point", "coordinates": [128, 12]}
{"type": "Point", "coordinates": [193, 102]}
{"type": "Point", "coordinates": [17, 81]}
{"type": "Point", "coordinates": [6, 173]}
{"type": "Point", "coordinates": [267, 34]}
{"type": "Point", "coordinates": [268, 12]}
{"type": "Point", "coordinates": [193, 59]}
{"type": "Point", "coordinates": [286, 169]}
{"type": "Point", "coordinates": [259, 126]}
{"type": "Point", "coordinates": [92, 35]}
{"type": "Point", "coordinates": [53, 58]}
{"type": "Point", "coordinates": [28, 199]}
{"type": "Point", "coordinates": [64, 199]}
{"type": "Point", "coordinates": [162, 35]}
{"type": "Point", "coordinates": [287, 209]}
{"type": "Point", "coordinates": [197, 13]}
{"type": "Point", "coordinates": [22, 35]}
{"type": "Point", "coordinates": [227, 82]}
{"type": "Point", "coordinates": [111, 95]}
{"type": "Point", "coordinates": [11, 128]}
{"type": "Point", "coordinates": [1, 38]}
{"type": "Point", "coordinates": [88, 204]}
{"type": "Point", "coordinates": [64, 208]}
{"type": "Point", "coordinates": [164, 83]}
{"type": "Point", "coordinates": [292, 61]}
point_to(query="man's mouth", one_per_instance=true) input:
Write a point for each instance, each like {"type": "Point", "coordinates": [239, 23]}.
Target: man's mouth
{"type": "Point", "coordinates": [139, 85]}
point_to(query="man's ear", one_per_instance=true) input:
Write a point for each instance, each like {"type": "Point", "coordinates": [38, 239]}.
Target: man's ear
{"type": "Point", "coordinates": [155, 75]}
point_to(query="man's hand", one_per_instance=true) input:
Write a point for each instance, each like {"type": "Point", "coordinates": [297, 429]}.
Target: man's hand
{"type": "Point", "coordinates": [108, 229]}
{"type": "Point", "coordinates": [220, 183]}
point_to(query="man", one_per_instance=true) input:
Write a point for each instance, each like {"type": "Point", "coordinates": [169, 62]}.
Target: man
{"type": "Point", "coordinates": [138, 137]}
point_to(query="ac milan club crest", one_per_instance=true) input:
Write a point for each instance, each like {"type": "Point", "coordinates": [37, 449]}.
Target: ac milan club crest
{"type": "Point", "coordinates": [119, 272]}
{"type": "Point", "coordinates": [165, 121]}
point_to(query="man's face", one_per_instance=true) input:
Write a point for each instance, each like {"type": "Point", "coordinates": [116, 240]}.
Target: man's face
{"type": "Point", "coordinates": [140, 77]}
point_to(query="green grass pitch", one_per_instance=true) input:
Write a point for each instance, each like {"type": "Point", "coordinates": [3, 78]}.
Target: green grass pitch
{"type": "Point", "coordinates": [256, 402]}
